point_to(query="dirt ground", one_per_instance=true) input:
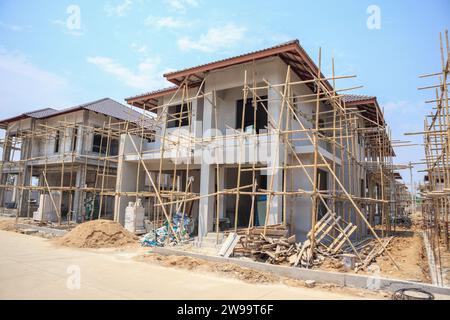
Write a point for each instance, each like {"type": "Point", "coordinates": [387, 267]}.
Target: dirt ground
{"type": "Point", "coordinates": [34, 268]}
{"type": "Point", "coordinates": [406, 248]}
{"type": "Point", "coordinates": [200, 265]}
{"type": "Point", "coordinates": [7, 224]}
{"type": "Point", "coordinates": [442, 259]}
{"type": "Point", "coordinates": [408, 251]}
{"type": "Point", "coordinates": [230, 270]}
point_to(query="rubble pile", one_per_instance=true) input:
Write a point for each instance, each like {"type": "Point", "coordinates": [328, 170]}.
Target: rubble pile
{"type": "Point", "coordinates": [163, 236]}
{"type": "Point", "coordinates": [332, 246]}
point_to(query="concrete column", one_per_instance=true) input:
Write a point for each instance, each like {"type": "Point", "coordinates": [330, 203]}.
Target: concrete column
{"type": "Point", "coordinates": [2, 190]}
{"type": "Point", "coordinates": [3, 176]}
{"type": "Point", "coordinates": [78, 198]}
{"type": "Point", "coordinates": [126, 177]}
{"type": "Point", "coordinates": [80, 141]}
{"type": "Point", "coordinates": [206, 209]}
{"type": "Point", "coordinates": [197, 112]}
{"type": "Point", "coordinates": [221, 186]}
{"type": "Point", "coordinates": [24, 179]}
{"type": "Point", "coordinates": [207, 177]}
{"type": "Point", "coordinates": [208, 116]}
{"type": "Point", "coordinates": [276, 156]}
{"type": "Point", "coordinates": [6, 148]}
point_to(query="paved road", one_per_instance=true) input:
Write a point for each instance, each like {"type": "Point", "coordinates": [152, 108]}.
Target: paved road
{"type": "Point", "coordinates": [33, 268]}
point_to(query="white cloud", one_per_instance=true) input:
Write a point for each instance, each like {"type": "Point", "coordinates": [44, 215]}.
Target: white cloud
{"type": "Point", "coordinates": [25, 86]}
{"type": "Point", "coordinates": [118, 10]}
{"type": "Point", "coordinates": [13, 27]}
{"type": "Point", "coordinates": [181, 5]}
{"type": "Point", "coordinates": [164, 22]}
{"type": "Point", "coordinates": [215, 39]}
{"type": "Point", "coordinates": [397, 107]}
{"type": "Point", "coordinates": [147, 76]}
{"type": "Point", "coordinates": [141, 49]}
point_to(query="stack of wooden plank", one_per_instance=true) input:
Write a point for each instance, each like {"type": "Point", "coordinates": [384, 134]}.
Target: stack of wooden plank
{"type": "Point", "coordinates": [271, 249]}
{"type": "Point", "coordinates": [276, 231]}
{"type": "Point", "coordinates": [370, 251]}
{"type": "Point", "coordinates": [272, 245]}
{"type": "Point", "coordinates": [330, 235]}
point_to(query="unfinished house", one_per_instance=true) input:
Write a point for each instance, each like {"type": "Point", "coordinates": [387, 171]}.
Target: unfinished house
{"type": "Point", "coordinates": [60, 165]}
{"type": "Point", "coordinates": [436, 189]}
{"type": "Point", "coordinates": [404, 201]}
{"type": "Point", "coordinates": [261, 143]}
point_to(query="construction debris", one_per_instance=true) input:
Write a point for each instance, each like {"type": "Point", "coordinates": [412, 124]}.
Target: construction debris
{"type": "Point", "coordinates": [276, 248]}
{"type": "Point", "coordinates": [228, 246]}
{"type": "Point", "coordinates": [163, 236]}
{"type": "Point", "coordinates": [371, 251]}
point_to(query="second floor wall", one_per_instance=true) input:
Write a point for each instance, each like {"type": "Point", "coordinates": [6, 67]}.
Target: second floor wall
{"type": "Point", "coordinates": [70, 134]}
{"type": "Point", "coordinates": [219, 110]}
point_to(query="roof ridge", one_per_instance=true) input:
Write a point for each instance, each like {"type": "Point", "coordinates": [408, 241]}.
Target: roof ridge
{"type": "Point", "coordinates": [87, 103]}
{"type": "Point", "coordinates": [284, 44]}
{"type": "Point", "coordinates": [153, 92]}
{"type": "Point", "coordinates": [38, 110]}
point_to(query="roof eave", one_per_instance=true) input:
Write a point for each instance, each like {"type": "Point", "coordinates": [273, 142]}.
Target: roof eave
{"type": "Point", "coordinates": [172, 76]}
{"type": "Point", "coordinates": [4, 123]}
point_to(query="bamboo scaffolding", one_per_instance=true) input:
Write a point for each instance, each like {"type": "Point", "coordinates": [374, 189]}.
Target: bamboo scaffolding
{"type": "Point", "coordinates": [436, 136]}
{"type": "Point", "coordinates": [36, 158]}
{"type": "Point", "coordinates": [346, 144]}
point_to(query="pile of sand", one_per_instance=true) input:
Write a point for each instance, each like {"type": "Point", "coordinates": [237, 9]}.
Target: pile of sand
{"type": "Point", "coordinates": [8, 225]}
{"type": "Point", "coordinates": [228, 269]}
{"type": "Point", "coordinates": [98, 234]}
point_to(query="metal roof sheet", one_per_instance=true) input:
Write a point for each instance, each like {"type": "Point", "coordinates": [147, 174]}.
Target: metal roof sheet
{"type": "Point", "coordinates": [169, 74]}
{"type": "Point", "coordinates": [356, 98]}
{"type": "Point", "coordinates": [104, 106]}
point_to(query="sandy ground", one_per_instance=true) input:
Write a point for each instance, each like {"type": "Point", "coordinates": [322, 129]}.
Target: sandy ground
{"type": "Point", "coordinates": [34, 268]}
{"type": "Point", "coordinates": [7, 224]}
{"type": "Point", "coordinates": [407, 250]}
{"type": "Point", "coordinates": [234, 271]}
{"type": "Point", "coordinates": [409, 253]}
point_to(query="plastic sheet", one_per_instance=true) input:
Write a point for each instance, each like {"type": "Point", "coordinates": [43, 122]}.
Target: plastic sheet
{"type": "Point", "coordinates": [163, 236]}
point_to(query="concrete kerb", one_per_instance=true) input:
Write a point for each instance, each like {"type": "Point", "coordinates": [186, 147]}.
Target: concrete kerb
{"type": "Point", "coordinates": [337, 278]}
{"type": "Point", "coordinates": [55, 232]}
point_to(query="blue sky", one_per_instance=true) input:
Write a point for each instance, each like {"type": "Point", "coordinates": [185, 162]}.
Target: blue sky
{"type": "Point", "coordinates": [123, 47]}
